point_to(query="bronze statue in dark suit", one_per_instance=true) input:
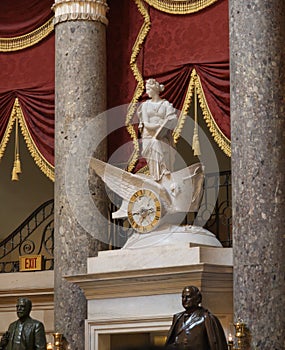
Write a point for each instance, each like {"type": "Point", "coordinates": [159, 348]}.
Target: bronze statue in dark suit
{"type": "Point", "coordinates": [25, 333]}
{"type": "Point", "coordinates": [195, 328]}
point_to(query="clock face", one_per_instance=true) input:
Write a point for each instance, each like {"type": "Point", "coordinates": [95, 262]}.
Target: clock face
{"type": "Point", "coordinates": [144, 211]}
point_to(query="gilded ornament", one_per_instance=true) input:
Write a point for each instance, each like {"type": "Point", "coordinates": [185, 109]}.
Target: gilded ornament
{"type": "Point", "coordinates": [180, 7]}
{"type": "Point", "coordinates": [140, 82]}
{"type": "Point", "coordinates": [17, 116]}
{"type": "Point", "coordinates": [27, 40]}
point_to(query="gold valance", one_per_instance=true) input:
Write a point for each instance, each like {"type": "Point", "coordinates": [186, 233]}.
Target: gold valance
{"type": "Point", "coordinates": [180, 7]}
{"type": "Point", "coordinates": [27, 40]}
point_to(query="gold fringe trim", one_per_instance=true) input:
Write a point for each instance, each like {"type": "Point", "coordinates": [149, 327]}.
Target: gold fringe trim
{"type": "Point", "coordinates": [27, 40]}
{"type": "Point", "coordinates": [185, 108]}
{"type": "Point", "coordinates": [140, 82]}
{"type": "Point", "coordinates": [180, 7]}
{"type": "Point", "coordinates": [42, 163]}
{"type": "Point", "coordinates": [8, 131]}
{"type": "Point", "coordinates": [144, 170]}
{"type": "Point", "coordinates": [222, 141]}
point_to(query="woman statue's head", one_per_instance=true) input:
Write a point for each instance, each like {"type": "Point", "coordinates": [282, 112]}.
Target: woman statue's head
{"type": "Point", "coordinates": [153, 85]}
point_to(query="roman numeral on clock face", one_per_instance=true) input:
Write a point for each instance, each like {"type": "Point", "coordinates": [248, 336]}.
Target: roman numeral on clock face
{"type": "Point", "coordinates": [144, 211]}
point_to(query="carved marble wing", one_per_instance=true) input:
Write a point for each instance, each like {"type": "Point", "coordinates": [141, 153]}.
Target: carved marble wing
{"type": "Point", "coordinates": [192, 176]}
{"type": "Point", "coordinates": [126, 184]}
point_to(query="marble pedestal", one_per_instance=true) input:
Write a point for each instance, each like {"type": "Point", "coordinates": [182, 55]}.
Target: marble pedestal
{"type": "Point", "coordinates": [138, 291]}
{"type": "Point", "coordinates": [173, 235]}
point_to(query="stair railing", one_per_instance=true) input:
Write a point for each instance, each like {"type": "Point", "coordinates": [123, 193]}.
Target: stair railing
{"type": "Point", "coordinates": [19, 242]}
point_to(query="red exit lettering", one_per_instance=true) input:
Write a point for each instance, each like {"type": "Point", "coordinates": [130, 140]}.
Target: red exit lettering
{"type": "Point", "coordinates": [30, 263]}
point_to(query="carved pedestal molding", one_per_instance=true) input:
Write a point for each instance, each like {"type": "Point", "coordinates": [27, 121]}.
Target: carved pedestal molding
{"type": "Point", "coordinates": [87, 10]}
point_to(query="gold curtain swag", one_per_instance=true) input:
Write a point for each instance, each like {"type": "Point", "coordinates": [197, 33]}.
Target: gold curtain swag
{"type": "Point", "coordinates": [195, 87]}
{"type": "Point", "coordinates": [18, 117]}
{"type": "Point", "coordinates": [222, 141]}
{"type": "Point", "coordinates": [7, 134]}
{"type": "Point", "coordinates": [27, 40]}
{"type": "Point", "coordinates": [180, 7]}
{"type": "Point", "coordinates": [140, 81]}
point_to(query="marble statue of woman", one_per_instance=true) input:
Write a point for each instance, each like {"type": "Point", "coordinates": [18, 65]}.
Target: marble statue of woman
{"type": "Point", "coordinates": [157, 119]}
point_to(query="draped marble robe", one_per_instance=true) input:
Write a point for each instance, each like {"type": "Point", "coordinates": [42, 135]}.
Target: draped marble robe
{"type": "Point", "coordinates": [157, 120]}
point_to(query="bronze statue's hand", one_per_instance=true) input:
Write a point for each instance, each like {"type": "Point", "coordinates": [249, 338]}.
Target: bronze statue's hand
{"type": "Point", "coordinates": [4, 340]}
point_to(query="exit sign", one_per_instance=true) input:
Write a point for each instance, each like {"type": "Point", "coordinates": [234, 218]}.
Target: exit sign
{"type": "Point", "coordinates": [30, 262]}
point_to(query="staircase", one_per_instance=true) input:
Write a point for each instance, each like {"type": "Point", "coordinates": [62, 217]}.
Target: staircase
{"type": "Point", "coordinates": [35, 236]}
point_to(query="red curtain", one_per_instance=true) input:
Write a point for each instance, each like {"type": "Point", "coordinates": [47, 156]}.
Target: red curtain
{"type": "Point", "coordinates": [28, 74]}
{"type": "Point", "coordinates": [199, 40]}
{"type": "Point", "coordinates": [169, 53]}
{"type": "Point", "coordinates": [19, 17]}
{"type": "Point", "coordinates": [124, 25]}
{"type": "Point", "coordinates": [174, 46]}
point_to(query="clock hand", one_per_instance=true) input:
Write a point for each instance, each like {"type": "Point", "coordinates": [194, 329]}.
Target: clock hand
{"type": "Point", "coordinates": [141, 220]}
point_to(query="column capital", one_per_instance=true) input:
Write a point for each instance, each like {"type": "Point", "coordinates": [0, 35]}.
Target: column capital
{"type": "Point", "coordinates": [86, 10]}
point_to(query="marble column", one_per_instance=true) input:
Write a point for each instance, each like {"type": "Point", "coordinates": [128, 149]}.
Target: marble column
{"type": "Point", "coordinates": [257, 37]}
{"type": "Point", "coordinates": [80, 86]}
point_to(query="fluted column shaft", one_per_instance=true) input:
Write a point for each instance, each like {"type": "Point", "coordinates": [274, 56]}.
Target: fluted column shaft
{"type": "Point", "coordinates": [80, 86]}
{"type": "Point", "coordinates": [257, 36]}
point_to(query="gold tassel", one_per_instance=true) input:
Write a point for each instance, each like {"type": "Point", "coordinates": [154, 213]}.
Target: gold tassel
{"type": "Point", "coordinates": [195, 141]}
{"type": "Point", "coordinates": [17, 164]}
{"type": "Point", "coordinates": [196, 144]}
{"type": "Point", "coordinates": [15, 176]}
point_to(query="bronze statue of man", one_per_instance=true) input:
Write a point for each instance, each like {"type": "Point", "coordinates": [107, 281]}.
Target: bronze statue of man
{"type": "Point", "coordinates": [25, 333]}
{"type": "Point", "coordinates": [195, 328]}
